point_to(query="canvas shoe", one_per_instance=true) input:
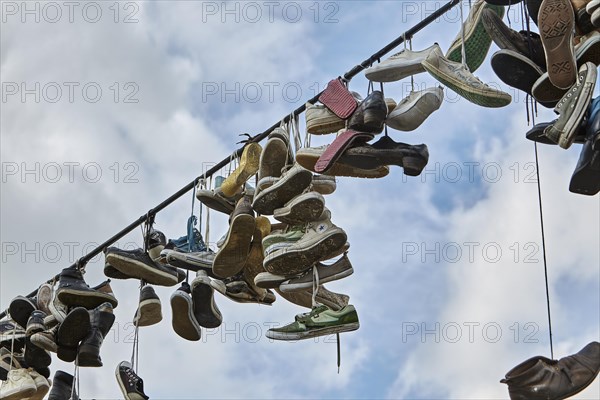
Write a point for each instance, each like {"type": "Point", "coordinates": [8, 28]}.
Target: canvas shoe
{"type": "Point", "coordinates": [586, 177]}
{"type": "Point", "coordinates": [36, 357]}
{"type": "Point", "coordinates": [414, 109]}
{"type": "Point", "coordinates": [215, 200]}
{"type": "Point", "coordinates": [304, 208]}
{"type": "Point", "coordinates": [516, 70]}
{"type": "Point", "coordinates": [58, 309]}
{"type": "Point", "coordinates": [323, 184]}
{"type": "Point", "coordinates": [573, 107]}
{"type": "Point", "coordinates": [195, 261]}
{"type": "Point", "coordinates": [249, 163]}
{"type": "Point", "coordinates": [275, 155]}
{"type": "Point", "coordinates": [327, 273]}
{"type": "Point", "coordinates": [206, 311]}
{"type": "Point", "coordinates": [292, 183]}
{"type": "Point", "coordinates": [71, 332]}
{"type": "Point", "coordinates": [556, 21]}
{"type": "Point", "coordinates": [370, 114]}
{"type": "Point", "coordinates": [44, 297]}
{"type": "Point", "coordinates": [320, 120]}
{"type": "Point", "coordinates": [537, 133]}
{"type": "Point", "coordinates": [477, 40]}
{"type": "Point", "coordinates": [20, 310]}
{"type": "Point", "coordinates": [527, 44]}
{"type": "Point", "coordinates": [132, 386]}
{"type": "Point", "coordinates": [267, 280]}
{"type": "Point", "coordinates": [398, 66]}
{"type": "Point", "coordinates": [41, 383]}
{"type": "Point", "coordinates": [35, 323]}
{"type": "Point", "coordinates": [149, 310]}
{"type": "Point", "coordinates": [304, 298]}
{"type": "Point", "coordinates": [20, 385]}
{"type": "Point", "coordinates": [321, 238]}
{"type": "Point", "coordinates": [231, 257]}
{"type": "Point", "coordinates": [139, 265]}
{"type": "Point", "coordinates": [46, 340]}
{"type": "Point", "coordinates": [320, 321]}
{"type": "Point", "coordinates": [184, 322]}
{"type": "Point", "coordinates": [281, 239]}
{"type": "Point", "coordinates": [592, 6]}
{"type": "Point", "coordinates": [101, 321]}
{"type": "Point", "coordinates": [458, 78]}
{"type": "Point", "coordinates": [9, 331]}
{"type": "Point", "coordinates": [73, 291]}
{"type": "Point", "coordinates": [62, 387]}
{"type": "Point", "coordinates": [307, 157]}
{"type": "Point", "coordinates": [254, 262]}
{"type": "Point", "coordinates": [237, 289]}
{"type": "Point", "coordinates": [7, 362]}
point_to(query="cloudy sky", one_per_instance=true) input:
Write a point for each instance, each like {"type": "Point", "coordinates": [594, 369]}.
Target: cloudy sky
{"type": "Point", "coordinates": [109, 107]}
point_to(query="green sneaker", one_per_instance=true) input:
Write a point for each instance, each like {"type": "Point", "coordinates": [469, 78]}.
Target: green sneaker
{"type": "Point", "coordinates": [319, 322]}
{"type": "Point", "coordinates": [477, 40]}
{"type": "Point", "coordinates": [278, 239]}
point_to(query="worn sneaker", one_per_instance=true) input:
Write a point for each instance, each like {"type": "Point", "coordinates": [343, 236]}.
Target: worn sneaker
{"type": "Point", "coordinates": [231, 257]}
{"type": "Point", "coordinates": [477, 40]}
{"type": "Point", "coordinates": [281, 239]}
{"type": "Point", "coordinates": [215, 200]}
{"type": "Point", "coordinates": [46, 340]}
{"type": "Point", "coordinates": [20, 310]}
{"type": "Point", "coordinates": [102, 319]}
{"type": "Point", "coordinates": [292, 183]}
{"type": "Point", "coordinates": [196, 261]}
{"type": "Point", "coordinates": [41, 383]}
{"type": "Point", "coordinates": [414, 109]}
{"type": "Point", "coordinates": [556, 21]}
{"type": "Point", "coordinates": [304, 298]}
{"type": "Point", "coordinates": [323, 184]}
{"type": "Point", "coordinates": [139, 265]}
{"type": "Point", "coordinates": [7, 362]}
{"type": "Point", "coordinates": [321, 238]}
{"type": "Point", "coordinates": [275, 155]}
{"type": "Point", "coordinates": [237, 289]}
{"type": "Point", "coordinates": [586, 177]}
{"type": "Point", "coordinates": [573, 107]}
{"type": "Point", "coordinates": [206, 311]}
{"type": "Point", "coordinates": [320, 321]}
{"type": "Point", "coordinates": [184, 322]}
{"type": "Point", "coordinates": [19, 385]}
{"type": "Point", "coordinates": [44, 297]}
{"type": "Point", "coordinates": [516, 70]}
{"type": "Point", "coordinates": [62, 387]}
{"type": "Point", "coordinates": [307, 157]}
{"type": "Point", "coordinates": [149, 309]}
{"type": "Point", "coordinates": [267, 280]}
{"type": "Point", "coordinates": [326, 273]}
{"type": "Point", "coordinates": [458, 78]}
{"type": "Point", "coordinates": [304, 208]}
{"type": "Point", "coordinates": [254, 262]}
{"type": "Point", "coordinates": [73, 291]}
{"type": "Point", "coordinates": [320, 120]}
{"type": "Point", "coordinates": [370, 114]}
{"type": "Point", "coordinates": [35, 323]}
{"type": "Point", "coordinates": [71, 332]}
{"type": "Point", "coordinates": [10, 331]}
{"type": "Point", "coordinates": [249, 163]}
{"type": "Point", "coordinates": [399, 66]}
{"type": "Point", "coordinates": [132, 386]}
{"type": "Point", "coordinates": [36, 357]}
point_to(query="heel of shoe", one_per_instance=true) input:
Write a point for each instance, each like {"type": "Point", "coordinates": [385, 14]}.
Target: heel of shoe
{"type": "Point", "coordinates": [413, 166]}
{"type": "Point", "coordinates": [375, 117]}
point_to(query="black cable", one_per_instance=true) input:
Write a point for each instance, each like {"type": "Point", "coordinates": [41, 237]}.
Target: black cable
{"type": "Point", "coordinates": [347, 76]}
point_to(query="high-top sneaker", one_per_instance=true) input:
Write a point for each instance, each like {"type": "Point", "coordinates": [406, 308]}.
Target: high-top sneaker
{"type": "Point", "coordinates": [19, 385]}
{"type": "Point", "coordinates": [184, 321]}
{"type": "Point", "coordinates": [62, 387]}
{"type": "Point", "coordinates": [292, 183]}
{"type": "Point", "coordinates": [46, 340]}
{"type": "Point", "coordinates": [149, 309]}
{"type": "Point", "coordinates": [131, 385]}
{"type": "Point", "coordinates": [71, 332]}
{"type": "Point", "coordinates": [206, 311]}
{"type": "Point", "coordinates": [35, 323]}
{"type": "Point", "coordinates": [36, 357]}
{"type": "Point", "coordinates": [73, 291]}
{"type": "Point", "coordinates": [156, 243]}
{"type": "Point", "coordinates": [320, 240]}
{"type": "Point", "coordinates": [20, 309]}
{"type": "Point", "coordinates": [138, 264]}
{"type": "Point", "coordinates": [105, 288]}
{"type": "Point", "coordinates": [44, 297]}
{"type": "Point", "coordinates": [11, 335]}
{"type": "Point", "coordinates": [101, 320]}
{"type": "Point", "coordinates": [249, 162]}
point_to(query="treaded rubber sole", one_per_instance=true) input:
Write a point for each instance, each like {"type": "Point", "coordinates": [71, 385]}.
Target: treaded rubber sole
{"type": "Point", "coordinates": [183, 318]}
{"type": "Point", "coordinates": [556, 21]}
{"type": "Point", "coordinates": [205, 309]}
{"type": "Point", "coordinates": [149, 313]}
{"type": "Point", "coordinates": [230, 258]}
{"type": "Point", "coordinates": [330, 330]}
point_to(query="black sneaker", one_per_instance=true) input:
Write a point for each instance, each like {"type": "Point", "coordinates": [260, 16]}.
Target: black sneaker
{"type": "Point", "coordinates": [206, 311]}
{"type": "Point", "coordinates": [101, 320]}
{"type": "Point", "coordinates": [149, 309]}
{"type": "Point", "coordinates": [73, 291]}
{"type": "Point", "coordinates": [138, 264]}
{"type": "Point", "coordinates": [62, 387]}
{"type": "Point", "coordinates": [20, 310]}
{"type": "Point", "coordinates": [35, 323]}
{"type": "Point", "coordinates": [71, 332]}
{"type": "Point", "coordinates": [131, 385]}
{"type": "Point", "coordinates": [46, 340]}
{"type": "Point", "coordinates": [184, 322]}
{"type": "Point", "coordinates": [36, 357]}
{"type": "Point", "coordinates": [370, 114]}
{"type": "Point", "coordinates": [586, 177]}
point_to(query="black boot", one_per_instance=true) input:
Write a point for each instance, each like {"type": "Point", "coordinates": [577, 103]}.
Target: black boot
{"type": "Point", "coordinates": [62, 387]}
{"type": "Point", "coordinates": [101, 320]}
{"type": "Point", "coordinates": [73, 291]}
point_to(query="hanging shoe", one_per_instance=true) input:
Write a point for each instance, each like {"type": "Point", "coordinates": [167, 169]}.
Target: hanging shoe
{"type": "Point", "coordinates": [6, 361]}
{"type": "Point", "coordinates": [556, 22]}
{"type": "Point", "coordinates": [19, 385]}
{"type": "Point", "coordinates": [458, 78]}
{"type": "Point", "coordinates": [138, 264]}
{"type": "Point", "coordinates": [36, 357]}
{"type": "Point", "coordinates": [206, 311]}
{"type": "Point", "coordinates": [62, 387]}
{"type": "Point", "coordinates": [195, 261]}
{"type": "Point", "coordinates": [304, 208]}
{"type": "Point", "coordinates": [573, 107]}
{"type": "Point", "coordinates": [399, 66]}
{"type": "Point", "coordinates": [291, 183]}
{"type": "Point", "coordinates": [132, 386]}
{"type": "Point", "coordinates": [73, 291]}
{"type": "Point", "coordinates": [20, 310]}
{"type": "Point", "coordinates": [249, 163]}
{"type": "Point", "coordinates": [477, 40]}
{"type": "Point", "coordinates": [320, 120]}
{"type": "Point", "coordinates": [256, 256]}
{"type": "Point", "coordinates": [304, 298]}
{"type": "Point", "coordinates": [320, 321]}
{"type": "Point", "coordinates": [149, 308]}
{"type": "Point", "coordinates": [586, 177]}
{"type": "Point", "coordinates": [101, 320]}
{"type": "Point", "coordinates": [46, 340]}
{"type": "Point", "coordinates": [327, 273]}
{"type": "Point", "coordinates": [517, 70]}
{"type": "Point", "coordinates": [44, 297]}
{"type": "Point", "coordinates": [215, 200]}
{"type": "Point", "coordinates": [275, 155]}
{"type": "Point", "coordinates": [231, 257]}
{"type": "Point", "coordinates": [414, 109]}
{"type": "Point", "coordinates": [323, 184]}
{"type": "Point", "coordinates": [71, 332]}
{"type": "Point", "coordinates": [541, 378]}
{"type": "Point", "coordinates": [237, 289]}
{"type": "Point", "coordinates": [35, 323]}
{"type": "Point", "coordinates": [267, 280]}
{"type": "Point", "coordinates": [370, 114]}
{"type": "Point", "coordinates": [307, 157]}
{"type": "Point", "coordinates": [41, 383]}
{"type": "Point", "coordinates": [537, 133]}
{"type": "Point", "coordinates": [184, 322]}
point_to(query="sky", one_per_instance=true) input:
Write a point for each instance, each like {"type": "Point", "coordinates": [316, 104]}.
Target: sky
{"type": "Point", "coordinates": [109, 107]}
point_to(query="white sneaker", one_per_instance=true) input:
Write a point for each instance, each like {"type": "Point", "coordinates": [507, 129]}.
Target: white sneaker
{"type": "Point", "coordinates": [42, 385]}
{"type": "Point", "coordinates": [400, 65]}
{"type": "Point", "coordinates": [415, 108]}
{"type": "Point", "coordinates": [19, 385]}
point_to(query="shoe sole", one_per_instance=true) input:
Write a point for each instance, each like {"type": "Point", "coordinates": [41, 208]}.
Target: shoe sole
{"type": "Point", "coordinates": [139, 270]}
{"type": "Point", "coordinates": [477, 41]}
{"type": "Point", "coordinates": [150, 311]}
{"type": "Point", "coordinates": [294, 287]}
{"type": "Point", "coordinates": [272, 158]}
{"type": "Point", "coordinates": [581, 106]}
{"type": "Point", "coordinates": [295, 259]}
{"type": "Point", "coordinates": [393, 73]}
{"type": "Point", "coordinates": [270, 281]}
{"type": "Point", "coordinates": [276, 196]}
{"type": "Point", "coordinates": [556, 21]}
{"type": "Point", "coordinates": [231, 257]}
{"type": "Point", "coordinates": [126, 395]}
{"type": "Point", "coordinates": [185, 261]}
{"type": "Point", "coordinates": [323, 125]}
{"type": "Point", "coordinates": [210, 200]}
{"type": "Point", "coordinates": [249, 163]}
{"type": "Point", "coordinates": [491, 99]}
{"type": "Point", "coordinates": [412, 115]}
{"type": "Point", "coordinates": [81, 298]}
{"type": "Point", "coordinates": [545, 92]}
{"type": "Point", "coordinates": [515, 70]}
{"type": "Point", "coordinates": [205, 309]}
{"type": "Point", "coordinates": [330, 330]}
{"type": "Point", "coordinates": [44, 298]}
{"type": "Point", "coordinates": [304, 208]}
{"type": "Point", "coordinates": [183, 318]}
{"type": "Point", "coordinates": [308, 161]}
{"type": "Point", "coordinates": [369, 157]}
{"type": "Point", "coordinates": [335, 301]}
{"type": "Point", "coordinates": [20, 394]}
{"type": "Point", "coordinates": [43, 343]}
{"type": "Point", "coordinates": [74, 328]}
{"type": "Point", "coordinates": [20, 310]}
